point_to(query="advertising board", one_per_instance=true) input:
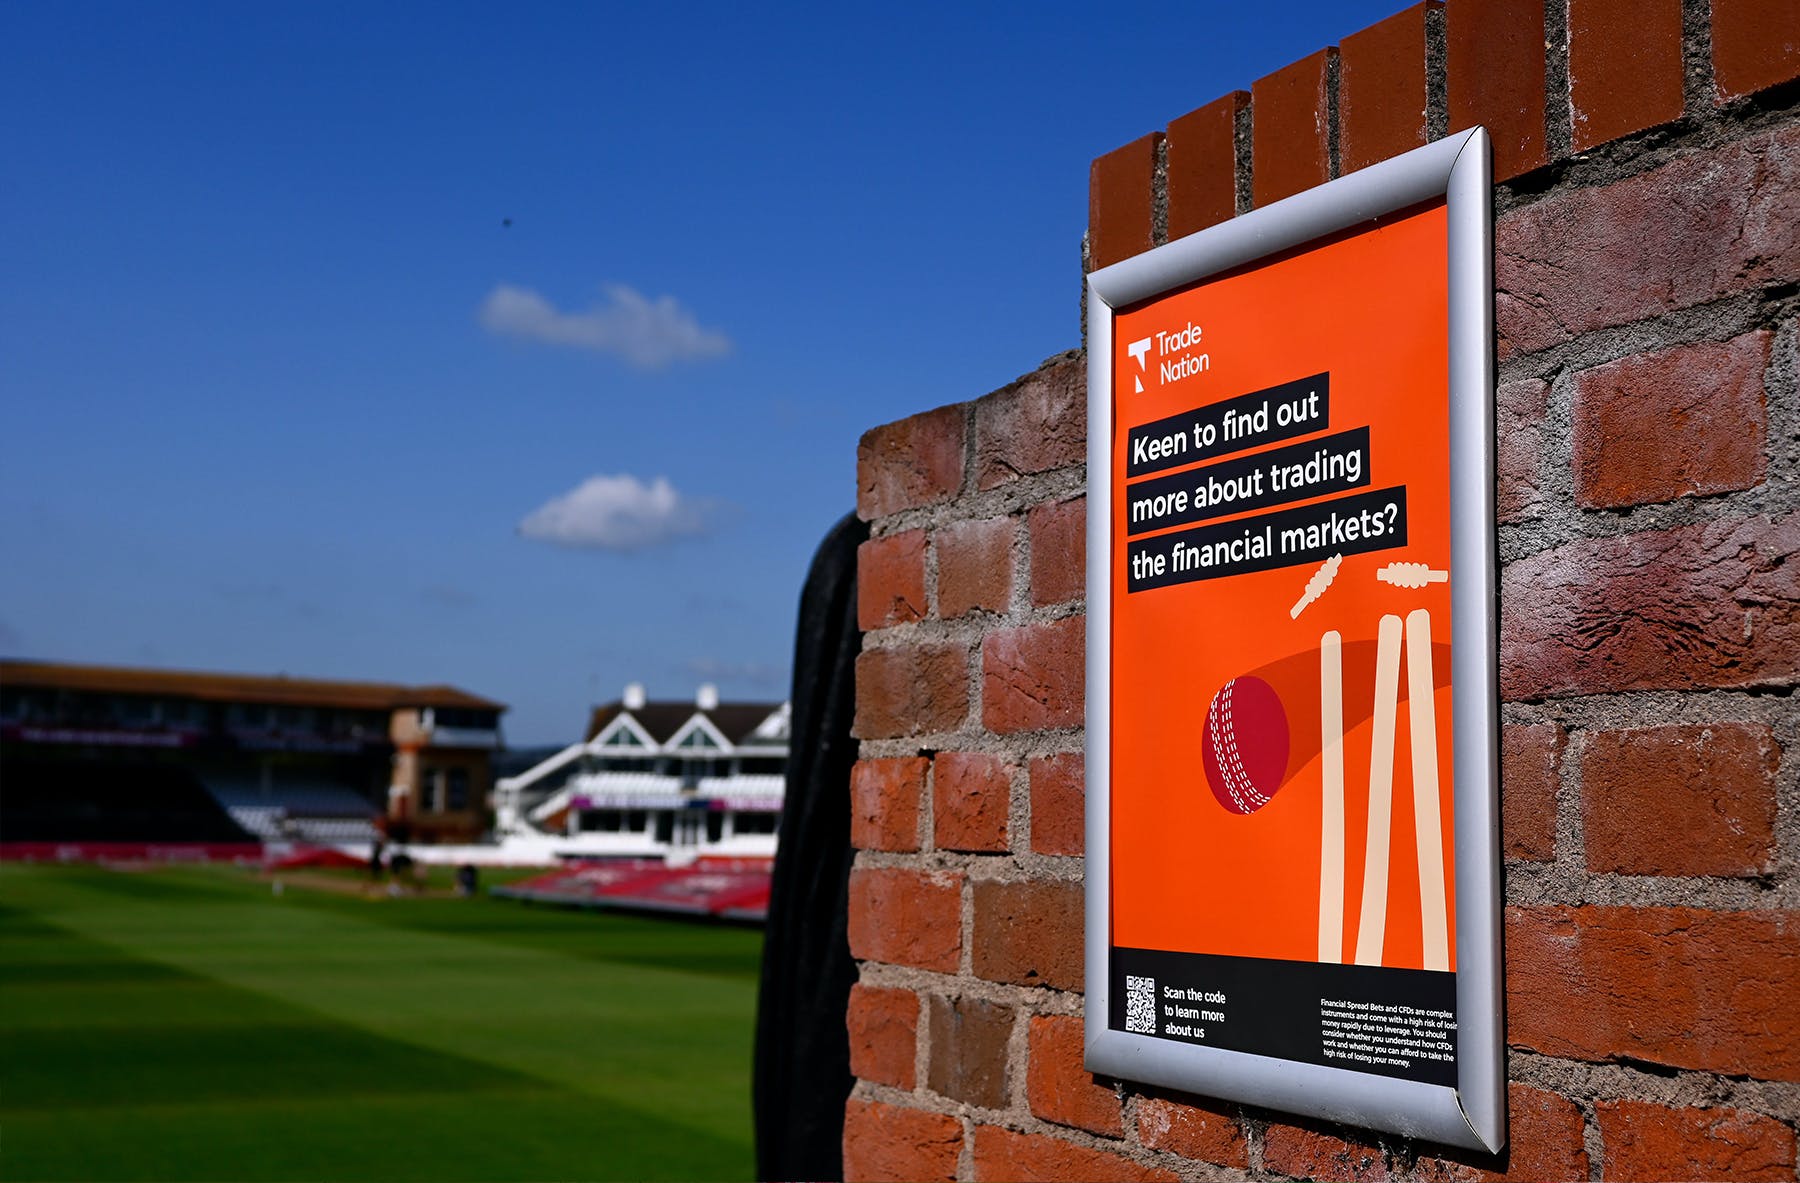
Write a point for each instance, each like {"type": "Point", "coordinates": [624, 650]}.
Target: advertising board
{"type": "Point", "coordinates": [1292, 703]}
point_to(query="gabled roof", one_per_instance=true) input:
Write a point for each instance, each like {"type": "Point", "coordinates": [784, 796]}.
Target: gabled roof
{"type": "Point", "coordinates": [623, 723]}
{"type": "Point", "coordinates": [738, 721]}
{"type": "Point", "coordinates": [698, 733]}
{"type": "Point", "coordinates": [662, 719]}
{"type": "Point", "coordinates": [275, 690]}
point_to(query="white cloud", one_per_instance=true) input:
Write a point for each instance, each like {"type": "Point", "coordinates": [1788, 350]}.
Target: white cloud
{"type": "Point", "coordinates": [618, 513]}
{"type": "Point", "coordinates": [647, 333]}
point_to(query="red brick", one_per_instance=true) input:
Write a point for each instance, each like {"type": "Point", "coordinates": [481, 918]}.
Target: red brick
{"type": "Point", "coordinates": [1308, 1154]}
{"type": "Point", "coordinates": [1702, 226]}
{"type": "Point", "coordinates": [1290, 125]}
{"type": "Point", "coordinates": [1686, 421]}
{"type": "Point", "coordinates": [1713, 991]}
{"type": "Point", "coordinates": [1121, 201]}
{"type": "Point", "coordinates": [971, 793]}
{"type": "Point", "coordinates": [1645, 1141]}
{"type": "Point", "coordinates": [970, 1040]}
{"type": "Point", "coordinates": [1520, 408]}
{"type": "Point", "coordinates": [1381, 89]}
{"type": "Point", "coordinates": [1530, 768]}
{"type": "Point", "coordinates": [1203, 165]}
{"type": "Point", "coordinates": [1058, 804]}
{"type": "Point", "coordinates": [1029, 933]}
{"type": "Point", "coordinates": [1544, 1141]}
{"type": "Point", "coordinates": [911, 690]}
{"type": "Point", "coordinates": [1545, 1136]}
{"type": "Point", "coordinates": [884, 803]}
{"type": "Point", "coordinates": [1715, 604]}
{"type": "Point", "coordinates": [1033, 678]}
{"type": "Point", "coordinates": [1006, 1156]}
{"type": "Point", "coordinates": [975, 566]}
{"type": "Point", "coordinates": [890, 580]}
{"type": "Point", "coordinates": [1037, 424]}
{"type": "Point", "coordinates": [1495, 64]}
{"type": "Point", "coordinates": [1624, 67]}
{"type": "Point", "coordinates": [1198, 1132]}
{"type": "Point", "coordinates": [906, 917]}
{"type": "Point", "coordinates": [1058, 552]}
{"type": "Point", "coordinates": [916, 461]}
{"type": "Point", "coordinates": [1681, 800]}
{"type": "Point", "coordinates": [888, 1144]}
{"type": "Point", "coordinates": [1058, 1087]}
{"type": "Point", "coordinates": [1756, 45]}
{"type": "Point", "coordinates": [884, 1034]}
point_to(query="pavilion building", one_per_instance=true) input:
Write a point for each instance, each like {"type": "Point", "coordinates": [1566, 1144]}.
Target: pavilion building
{"type": "Point", "coordinates": [289, 759]}
{"type": "Point", "coordinates": [666, 779]}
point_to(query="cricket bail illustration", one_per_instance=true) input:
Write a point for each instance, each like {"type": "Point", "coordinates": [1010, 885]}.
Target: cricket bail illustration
{"type": "Point", "coordinates": [1258, 737]}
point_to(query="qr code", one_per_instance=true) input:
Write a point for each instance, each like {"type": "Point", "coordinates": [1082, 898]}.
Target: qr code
{"type": "Point", "coordinates": [1140, 1005]}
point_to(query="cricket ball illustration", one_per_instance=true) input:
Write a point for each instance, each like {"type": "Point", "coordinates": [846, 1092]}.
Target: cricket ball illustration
{"type": "Point", "coordinates": [1245, 745]}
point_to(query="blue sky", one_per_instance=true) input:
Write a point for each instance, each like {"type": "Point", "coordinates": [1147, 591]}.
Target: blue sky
{"type": "Point", "coordinates": [285, 391]}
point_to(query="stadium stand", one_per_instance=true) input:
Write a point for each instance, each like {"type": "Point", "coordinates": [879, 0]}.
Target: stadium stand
{"type": "Point", "coordinates": [334, 831]}
{"type": "Point", "coordinates": [281, 749]}
{"type": "Point", "coordinates": [109, 801]}
{"type": "Point", "coordinates": [289, 809]}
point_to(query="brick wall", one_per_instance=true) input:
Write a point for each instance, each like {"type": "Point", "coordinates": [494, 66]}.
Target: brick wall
{"type": "Point", "coordinates": [1647, 160]}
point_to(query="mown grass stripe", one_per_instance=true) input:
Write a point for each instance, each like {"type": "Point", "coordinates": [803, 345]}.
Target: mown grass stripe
{"type": "Point", "coordinates": [221, 1009]}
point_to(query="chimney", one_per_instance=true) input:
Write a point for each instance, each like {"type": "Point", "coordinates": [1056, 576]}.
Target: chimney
{"type": "Point", "coordinates": [708, 697]}
{"type": "Point", "coordinates": [634, 696]}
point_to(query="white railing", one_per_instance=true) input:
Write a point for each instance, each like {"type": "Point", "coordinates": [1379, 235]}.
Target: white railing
{"type": "Point", "coordinates": [749, 785]}
{"type": "Point", "coordinates": [550, 806]}
{"type": "Point", "coordinates": [605, 783]}
{"type": "Point", "coordinates": [509, 790]}
{"type": "Point", "coordinates": [542, 768]}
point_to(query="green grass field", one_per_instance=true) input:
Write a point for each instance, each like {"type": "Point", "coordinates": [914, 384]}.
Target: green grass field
{"type": "Point", "coordinates": [189, 1024]}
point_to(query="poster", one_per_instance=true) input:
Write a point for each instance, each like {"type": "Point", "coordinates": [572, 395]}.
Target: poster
{"type": "Point", "coordinates": [1285, 536]}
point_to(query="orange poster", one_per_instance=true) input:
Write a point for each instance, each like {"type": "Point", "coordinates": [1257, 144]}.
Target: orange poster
{"type": "Point", "coordinates": [1281, 744]}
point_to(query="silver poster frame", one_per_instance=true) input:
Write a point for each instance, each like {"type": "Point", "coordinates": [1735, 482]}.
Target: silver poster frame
{"type": "Point", "coordinates": [1472, 1114]}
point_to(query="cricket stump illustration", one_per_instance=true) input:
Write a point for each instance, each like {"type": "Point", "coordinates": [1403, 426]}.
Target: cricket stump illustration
{"type": "Point", "coordinates": [1371, 931]}
{"type": "Point", "coordinates": [1249, 746]}
{"type": "Point", "coordinates": [1421, 704]}
{"type": "Point", "coordinates": [1331, 828]}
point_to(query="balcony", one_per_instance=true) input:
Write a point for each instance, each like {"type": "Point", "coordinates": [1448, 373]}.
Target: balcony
{"type": "Point", "coordinates": [463, 737]}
